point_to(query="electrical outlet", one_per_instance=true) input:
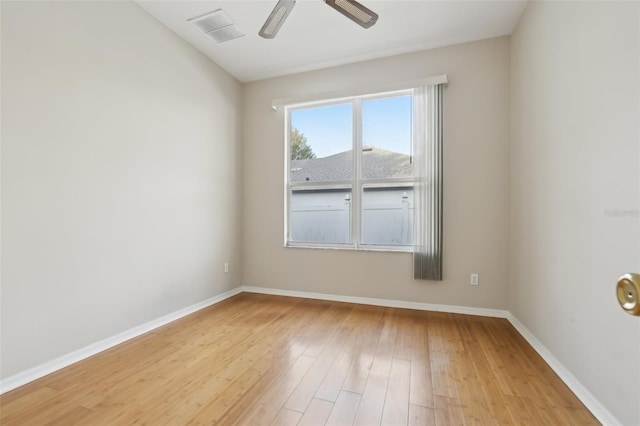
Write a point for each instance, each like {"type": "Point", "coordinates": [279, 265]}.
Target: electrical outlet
{"type": "Point", "coordinates": [475, 279]}
{"type": "Point", "coordinates": [226, 267]}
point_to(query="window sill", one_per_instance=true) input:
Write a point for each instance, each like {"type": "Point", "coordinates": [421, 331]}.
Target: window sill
{"type": "Point", "coordinates": [381, 249]}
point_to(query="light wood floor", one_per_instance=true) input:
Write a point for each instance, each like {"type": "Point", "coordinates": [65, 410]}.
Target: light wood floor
{"type": "Point", "coordinates": [256, 359]}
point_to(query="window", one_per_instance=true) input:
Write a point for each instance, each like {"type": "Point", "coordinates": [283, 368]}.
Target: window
{"type": "Point", "coordinates": [338, 199]}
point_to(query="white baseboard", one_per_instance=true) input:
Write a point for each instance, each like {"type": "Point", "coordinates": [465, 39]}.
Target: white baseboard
{"type": "Point", "coordinates": [597, 409]}
{"type": "Point", "coordinates": [495, 313]}
{"type": "Point", "coordinates": [49, 367]}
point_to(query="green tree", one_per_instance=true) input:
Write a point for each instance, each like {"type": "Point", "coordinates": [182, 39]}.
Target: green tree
{"type": "Point", "coordinates": [300, 149]}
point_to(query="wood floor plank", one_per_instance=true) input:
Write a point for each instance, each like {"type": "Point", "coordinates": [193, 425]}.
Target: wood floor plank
{"type": "Point", "coordinates": [256, 360]}
{"type": "Point", "coordinates": [326, 327]}
{"type": "Point", "coordinates": [402, 349]}
{"type": "Point", "coordinates": [287, 418]}
{"type": "Point", "coordinates": [335, 377]}
{"type": "Point", "coordinates": [21, 408]}
{"type": "Point", "coordinates": [523, 411]}
{"type": "Point", "coordinates": [317, 413]}
{"type": "Point", "coordinates": [308, 387]}
{"type": "Point", "coordinates": [444, 345]}
{"type": "Point", "coordinates": [396, 402]}
{"type": "Point", "coordinates": [421, 387]}
{"type": "Point", "coordinates": [479, 392]}
{"type": "Point", "coordinates": [267, 406]}
{"type": "Point", "coordinates": [235, 379]}
{"type": "Point", "coordinates": [358, 322]}
{"type": "Point", "coordinates": [448, 411]}
{"type": "Point", "coordinates": [358, 373]}
{"type": "Point", "coordinates": [238, 399]}
{"type": "Point", "coordinates": [344, 409]}
{"type": "Point", "coordinates": [275, 385]}
{"type": "Point", "coordinates": [421, 416]}
{"type": "Point", "coordinates": [72, 417]}
{"type": "Point", "coordinates": [373, 396]}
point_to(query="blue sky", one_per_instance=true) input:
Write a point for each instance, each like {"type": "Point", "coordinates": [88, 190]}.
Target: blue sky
{"type": "Point", "coordinates": [386, 125]}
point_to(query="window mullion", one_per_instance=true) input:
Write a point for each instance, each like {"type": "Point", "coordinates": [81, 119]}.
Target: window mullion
{"type": "Point", "coordinates": [357, 164]}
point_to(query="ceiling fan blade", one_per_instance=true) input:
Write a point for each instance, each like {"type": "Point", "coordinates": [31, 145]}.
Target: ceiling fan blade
{"type": "Point", "coordinates": [354, 11]}
{"type": "Point", "coordinates": [277, 18]}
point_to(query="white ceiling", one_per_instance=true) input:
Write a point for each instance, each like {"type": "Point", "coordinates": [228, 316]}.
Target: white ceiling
{"type": "Point", "coordinates": [315, 36]}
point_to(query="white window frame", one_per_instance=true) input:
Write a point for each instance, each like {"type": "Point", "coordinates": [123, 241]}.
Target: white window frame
{"type": "Point", "coordinates": [357, 184]}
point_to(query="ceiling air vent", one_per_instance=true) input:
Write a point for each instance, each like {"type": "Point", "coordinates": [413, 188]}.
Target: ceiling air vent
{"type": "Point", "coordinates": [217, 25]}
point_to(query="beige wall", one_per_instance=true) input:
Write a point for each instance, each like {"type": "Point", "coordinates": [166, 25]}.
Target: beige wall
{"type": "Point", "coordinates": [476, 129]}
{"type": "Point", "coordinates": [120, 171]}
{"type": "Point", "coordinates": [574, 155]}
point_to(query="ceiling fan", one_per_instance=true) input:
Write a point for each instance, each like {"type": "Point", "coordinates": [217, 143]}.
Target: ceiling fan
{"type": "Point", "coordinates": [349, 8]}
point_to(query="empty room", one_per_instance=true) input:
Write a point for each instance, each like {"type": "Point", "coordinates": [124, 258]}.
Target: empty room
{"type": "Point", "coordinates": [320, 212]}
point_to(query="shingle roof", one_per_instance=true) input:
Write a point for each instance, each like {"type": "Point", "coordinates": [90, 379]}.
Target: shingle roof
{"type": "Point", "coordinates": [376, 163]}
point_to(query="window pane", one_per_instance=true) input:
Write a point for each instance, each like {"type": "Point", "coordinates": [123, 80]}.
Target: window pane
{"type": "Point", "coordinates": [387, 216]}
{"type": "Point", "coordinates": [321, 143]}
{"type": "Point", "coordinates": [386, 138]}
{"type": "Point", "coordinates": [321, 216]}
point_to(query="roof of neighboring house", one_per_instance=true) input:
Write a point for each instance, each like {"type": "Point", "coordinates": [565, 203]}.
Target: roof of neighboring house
{"type": "Point", "coordinates": [376, 163]}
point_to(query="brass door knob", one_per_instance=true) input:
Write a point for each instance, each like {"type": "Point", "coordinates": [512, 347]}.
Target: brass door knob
{"type": "Point", "coordinates": [628, 291]}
